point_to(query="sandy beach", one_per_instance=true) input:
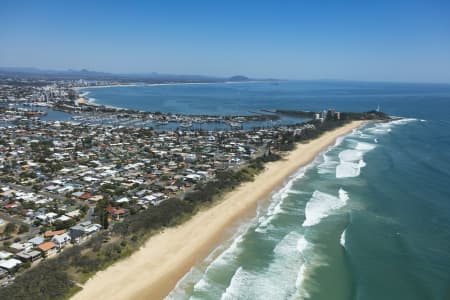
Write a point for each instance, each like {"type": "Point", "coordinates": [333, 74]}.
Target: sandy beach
{"type": "Point", "coordinates": [154, 270]}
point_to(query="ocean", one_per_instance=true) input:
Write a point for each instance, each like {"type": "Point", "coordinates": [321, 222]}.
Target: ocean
{"type": "Point", "coordinates": [369, 218]}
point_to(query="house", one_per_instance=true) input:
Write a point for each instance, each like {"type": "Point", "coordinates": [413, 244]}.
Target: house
{"type": "Point", "coordinates": [92, 228]}
{"type": "Point", "coordinates": [48, 248]}
{"type": "Point", "coordinates": [116, 213]}
{"type": "Point", "coordinates": [74, 214]}
{"type": "Point", "coordinates": [12, 206]}
{"type": "Point", "coordinates": [77, 234]}
{"type": "Point", "coordinates": [61, 240]}
{"type": "Point", "coordinates": [77, 194]}
{"type": "Point", "coordinates": [36, 240]}
{"type": "Point", "coordinates": [47, 218]}
{"type": "Point", "coordinates": [5, 255]}
{"type": "Point", "coordinates": [193, 177]}
{"type": "Point", "coordinates": [123, 200]}
{"type": "Point", "coordinates": [85, 196]}
{"type": "Point", "coordinates": [10, 265]}
{"type": "Point", "coordinates": [29, 256]}
{"type": "Point", "coordinates": [96, 198]}
{"type": "Point", "coordinates": [63, 218]}
{"type": "Point", "coordinates": [82, 231]}
{"type": "Point", "coordinates": [21, 246]}
{"type": "Point", "coordinates": [50, 234]}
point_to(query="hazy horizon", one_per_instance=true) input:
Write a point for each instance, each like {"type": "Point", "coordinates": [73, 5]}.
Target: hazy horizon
{"type": "Point", "coordinates": [406, 41]}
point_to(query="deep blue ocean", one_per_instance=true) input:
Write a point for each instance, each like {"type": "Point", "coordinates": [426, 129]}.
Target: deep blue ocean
{"type": "Point", "coordinates": [368, 219]}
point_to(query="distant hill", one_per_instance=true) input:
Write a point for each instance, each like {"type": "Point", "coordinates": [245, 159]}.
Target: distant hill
{"type": "Point", "coordinates": [238, 78]}
{"type": "Point", "coordinates": [151, 77]}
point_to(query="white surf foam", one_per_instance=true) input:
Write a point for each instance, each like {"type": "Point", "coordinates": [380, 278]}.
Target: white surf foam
{"type": "Point", "coordinates": [362, 146]}
{"type": "Point", "coordinates": [402, 121]}
{"type": "Point", "coordinates": [328, 166]}
{"type": "Point", "coordinates": [274, 209]}
{"type": "Point", "coordinates": [380, 128]}
{"type": "Point", "coordinates": [198, 276]}
{"type": "Point", "coordinates": [383, 128]}
{"type": "Point", "coordinates": [362, 135]}
{"type": "Point", "coordinates": [342, 239]}
{"type": "Point", "coordinates": [322, 205]}
{"type": "Point", "coordinates": [339, 140]}
{"type": "Point", "coordinates": [276, 205]}
{"type": "Point", "coordinates": [349, 169]}
{"type": "Point", "coordinates": [302, 245]}
{"type": "Point", "coordinates": [238, 279]}
{"type": "Point", "coordinates": [297, 192]}
{"type": "Point", "coordinates": [343, 195]}
{"type": "Point", "coordinates": [350, 155]}
{"type": "Point", "coordinates": [278, 280]}
{"type": "Point", "coordinates": [351, 160]}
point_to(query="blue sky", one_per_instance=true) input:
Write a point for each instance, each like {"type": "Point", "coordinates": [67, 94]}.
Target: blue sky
{"type": "Point", "coordinates": [362, 40]}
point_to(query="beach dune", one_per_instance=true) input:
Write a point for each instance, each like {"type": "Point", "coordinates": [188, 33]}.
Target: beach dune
{"type": "Point", "coordinates": [154, 270]}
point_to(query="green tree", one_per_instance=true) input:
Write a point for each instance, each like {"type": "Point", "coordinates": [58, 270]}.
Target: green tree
{"type": "Point", "coordinates": [10, 228]}
{"type": "Point", "coordinates": [24, 228]}
{"type": "Point", "coordinates": [100, 210]}
{"type": "Point", "coordinates": [104, 219]}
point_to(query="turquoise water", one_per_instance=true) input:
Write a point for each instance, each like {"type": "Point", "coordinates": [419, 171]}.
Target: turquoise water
{"type": "Point", "coordinates": [368, 219]}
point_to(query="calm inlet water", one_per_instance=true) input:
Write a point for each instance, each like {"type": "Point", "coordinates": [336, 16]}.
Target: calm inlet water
{"type": "Point", "coordinates": [368, 219]}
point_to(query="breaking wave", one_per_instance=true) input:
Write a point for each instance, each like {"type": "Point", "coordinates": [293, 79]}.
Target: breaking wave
{"type": "Point", "coordinates": [327, 166]}
{"type": "Point", "coordinates": [322, 205]}
{"type": "Point", "coordinates": [280, 279]}
{"type": "Point", "coordinates": [275, 207]}
{"type": "Point", "coordinates": [351, 160]}
{"type": "Point", "coordinates": [342, 239]}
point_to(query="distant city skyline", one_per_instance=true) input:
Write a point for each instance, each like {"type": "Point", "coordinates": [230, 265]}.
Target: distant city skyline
{"type": "Point", "coordinates": [405, 41]}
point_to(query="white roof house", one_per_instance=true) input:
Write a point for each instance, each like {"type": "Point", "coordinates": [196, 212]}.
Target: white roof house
{"type": "Point", "coordinates": [5, 254]}
{"type": "Point", "coordinates": [123, 200]}
{"type": "Point", "coordinates": [36, 240]}
{"type": "Point", "coordinates": [73, 214]}
{"type": "Point", "coordinates": [9, 264]}
{"type": "Point", "coordinates": [21, 246]}
{"type": "Point", "coordinates": [63, 218]}
{"type": "Point", "coordinates": [61, 240]}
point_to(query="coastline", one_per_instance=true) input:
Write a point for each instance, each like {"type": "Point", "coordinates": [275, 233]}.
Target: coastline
{"type": "Point", "coordinates": [163, 84]}
{"type": "Point", "coordinates": [154, 270]}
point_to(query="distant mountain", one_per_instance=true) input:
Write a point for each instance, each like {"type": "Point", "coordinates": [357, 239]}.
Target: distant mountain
{"type": "Point", "coordinates": [53, 73]}
{"type": "Point", "coordinates": [238, 78]}
{"type": "Point", "coordinates": [151, 77]}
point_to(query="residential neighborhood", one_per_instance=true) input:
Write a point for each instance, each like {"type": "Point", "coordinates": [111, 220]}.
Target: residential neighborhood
{"type": "Point", "coordinates": [61, 182]}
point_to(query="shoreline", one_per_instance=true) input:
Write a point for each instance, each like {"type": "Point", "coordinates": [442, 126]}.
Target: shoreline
{"type": "Point", "coordinates": [163, 84]}
{"type": "Point", "coordinates": [154, 270]}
